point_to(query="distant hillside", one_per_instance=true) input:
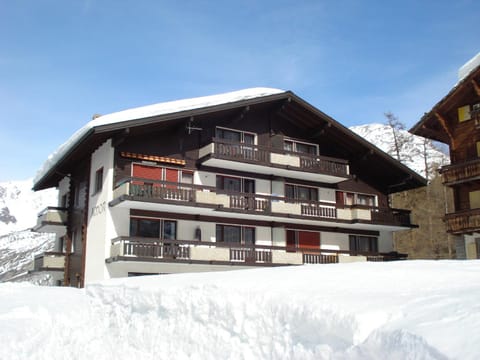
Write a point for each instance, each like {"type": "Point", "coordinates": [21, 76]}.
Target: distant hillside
{"type": "Point", "coordinates": [19, 207]}
{"type": "Point", "coordinates": [413, 151]}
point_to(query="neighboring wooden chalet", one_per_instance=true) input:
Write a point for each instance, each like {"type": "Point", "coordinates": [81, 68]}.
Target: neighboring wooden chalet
{"type": "Point", "coordinates": [455, 120]}
{"type": "Point", "coordinates": [256, 177]}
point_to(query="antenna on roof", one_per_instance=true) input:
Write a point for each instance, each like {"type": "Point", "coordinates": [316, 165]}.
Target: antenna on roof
{"type": "Point", "coordinates": [190, 126]}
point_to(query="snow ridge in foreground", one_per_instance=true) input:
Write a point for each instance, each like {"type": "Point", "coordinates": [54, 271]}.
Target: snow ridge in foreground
{"type": "Point", "coordinates": [404, 310]}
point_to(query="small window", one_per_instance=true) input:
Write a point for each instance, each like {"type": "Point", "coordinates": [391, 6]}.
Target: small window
{"type": "Point", "coordinates": [64, 201]}
{"type": "Point", "coordinates": [98, 180]}
{"type": "Point", "coordinates": [474, 198]}
{"type": "Point", "coordinates": [187, 177]}
{"type": "Point", "coordinates": [464, 113]}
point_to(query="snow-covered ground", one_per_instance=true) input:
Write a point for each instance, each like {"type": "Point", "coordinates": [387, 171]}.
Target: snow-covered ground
{"type": "Point", "coordinates": [401, 310]}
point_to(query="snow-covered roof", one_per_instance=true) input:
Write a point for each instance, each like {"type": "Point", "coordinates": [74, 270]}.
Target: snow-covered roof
{"type": "Point", "coordinates": [169, 107]}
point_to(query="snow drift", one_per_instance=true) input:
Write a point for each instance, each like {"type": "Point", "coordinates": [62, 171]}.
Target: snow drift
{"type": "Point", "coordinates": [403, 310]}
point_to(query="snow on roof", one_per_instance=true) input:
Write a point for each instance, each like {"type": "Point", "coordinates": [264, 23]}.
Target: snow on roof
{"type": "Point", "coordinates": [164, 108]}
{"type": "Point", "coordinates": [468, 67]}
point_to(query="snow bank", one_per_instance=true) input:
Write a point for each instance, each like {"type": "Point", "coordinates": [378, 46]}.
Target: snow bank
{"type": "Point", "coordinates": [143, 112]}
{"type": "Point", "coordinates": [403, 310]}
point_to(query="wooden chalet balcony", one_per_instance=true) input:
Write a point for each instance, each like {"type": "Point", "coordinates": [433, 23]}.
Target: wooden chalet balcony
{"type": "Point", "coordinates": [51, 261]}
{"type": "Point", "coordinates": [270, 161]}
{"type": "Point", "coordinates": [461, 172]}
{"type": "Point", "coordinates": [198, 196]}
{"type": "Point", "coordinates": [461, 222]}
{"type": "Point", "coordinates": [197, 252]}
{"type": "Point", "coordinates": [52, 220]}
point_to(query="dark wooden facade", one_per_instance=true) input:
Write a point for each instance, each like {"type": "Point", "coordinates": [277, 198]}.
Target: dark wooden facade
{"type": "Point", "coordinates": [455, 121]}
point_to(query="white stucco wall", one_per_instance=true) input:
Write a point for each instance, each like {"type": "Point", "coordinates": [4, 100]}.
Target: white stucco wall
{"type": "Point", "coordinates": [385, 241]}
{"type": "Point", "coordinates": [101, 228]}
{"type": "Point", "coordinates": [205, 178]}
{"type": "Point", "coordinates": [334, 241]}
{"type": "Point", "coordinates": [278, 187]}
{"type": "Point", "coordinates": [263, 235]}
{"type": "Point", "coordinates": [279, 236]}
{"type": "Point", "coordinates": [327, 195]}
{"type": "Point", "coordinates": [262, 186]}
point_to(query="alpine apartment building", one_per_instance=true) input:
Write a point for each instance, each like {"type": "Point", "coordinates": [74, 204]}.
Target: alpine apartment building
{"type": "Point", "coordinates": [256, 177]}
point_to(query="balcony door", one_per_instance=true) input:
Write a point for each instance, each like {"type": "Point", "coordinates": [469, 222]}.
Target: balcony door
{"type": "Point", "coordinates": [245, 189]}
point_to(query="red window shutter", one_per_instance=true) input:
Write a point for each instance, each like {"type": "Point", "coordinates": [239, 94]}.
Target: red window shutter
{"type": "Point", "coordinates": [308, 240]}
{"type": "Point", "coordinates": [171, 175]}
{"type": "Point", "coordinates": [147, 172]}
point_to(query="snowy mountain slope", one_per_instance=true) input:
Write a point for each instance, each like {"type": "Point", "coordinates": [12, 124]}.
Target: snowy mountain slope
{"type": "Point", "coordinates": [402, 310]}
{"type": "Point", "coordinates": [413, 151]}
{"type": "Point", "coordinates": [19, 207]}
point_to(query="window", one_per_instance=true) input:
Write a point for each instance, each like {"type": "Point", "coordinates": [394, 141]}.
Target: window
{"type": "Point", "coordinates": [64, 201]}
{"type": "Point", "coordinates": [235, 184]}
{"type": "Point", "coordinates": [474, 198]}
{"type": "Point", "coordinates": [187, 177]}
{"type": "Point", "coordinates": [363, 243]}
{"type": "Point", "coordinates": [235, 136]}
{"type": "Point", "coordinates": [350, 199]}
{"type": "Point", "coordinates": [235, 234]}
{"type": "Point", "coordinates": [153, 228]}
{"type": "Point", "coordinates": [464, 113]}
{"type": "Point", "coordinates": [98, 181]}
{"type": "Point", "coordinates": [300, 147]}
{"type": "Point", "coordinates": [301, 192]}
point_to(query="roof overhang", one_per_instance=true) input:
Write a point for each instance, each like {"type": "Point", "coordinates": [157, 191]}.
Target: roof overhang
{"type": "Point", "coordinates": [373, 164]}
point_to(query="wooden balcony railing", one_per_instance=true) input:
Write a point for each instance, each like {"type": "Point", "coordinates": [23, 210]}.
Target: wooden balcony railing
{"type": "Point", "coordinates": [249, 203]}
{"type": "Point", "coordinates": [391, 216]}
{"type": "Point", "coordinates": [462, 172]}
{"type": "Point", "coordinates": [463, 221]}
{"type": "Point", "coordinates": [250, 153]}
{"type": "Point", "coordinates": [142, 249]}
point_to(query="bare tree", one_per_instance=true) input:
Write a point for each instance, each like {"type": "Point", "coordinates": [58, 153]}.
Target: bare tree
{"type": "Point", "coordinates": [399, 139]}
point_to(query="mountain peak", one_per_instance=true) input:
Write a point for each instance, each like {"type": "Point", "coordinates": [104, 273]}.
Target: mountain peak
{"type": "Point", "coordinates": [416, 152]}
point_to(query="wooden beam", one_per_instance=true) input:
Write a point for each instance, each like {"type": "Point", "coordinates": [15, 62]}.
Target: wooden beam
{"type": "Point", "coordinates": [476, 87]}
{"type": "Point", "coordinates": [444, 124]}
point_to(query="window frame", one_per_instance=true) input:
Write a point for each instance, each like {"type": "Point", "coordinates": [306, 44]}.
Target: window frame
{"type": "Point", "coordinates": [98, 182]}
{"type": "Point", "coordinates": [242, 181]}
{"type": "Point", "coordinates": [356, 240]}
{"type": "Point", "coordinates": [241, 132]}
{"type": "Point", "coordinates": [311, 190]}
{"type": "Point", "coordinates": [242, 231]}
{"type": "Point", "coordinates": [294, 146]}
{"type": "Point", "coordinates": [161, 227]}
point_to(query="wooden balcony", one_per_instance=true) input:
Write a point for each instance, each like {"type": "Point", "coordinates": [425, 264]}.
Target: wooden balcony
{"type": "Point", "coordinates": [461, 172]}
{"type": "Point", "coordinates": [270, 161]}
{"type": "Point", "coordinates": [463, 222]}
{"type": "Point", "coordinates": [196, 252]}
{"type": "Point", "coordinates": [49, 261]}
{"type": "Point", "coordinates": [52, 220]}
{"type": "Point", "coordinates": [197, 197]}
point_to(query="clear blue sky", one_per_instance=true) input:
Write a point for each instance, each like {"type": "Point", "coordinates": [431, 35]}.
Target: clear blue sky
{"type": "Point", "coordinates": [61, 61]}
